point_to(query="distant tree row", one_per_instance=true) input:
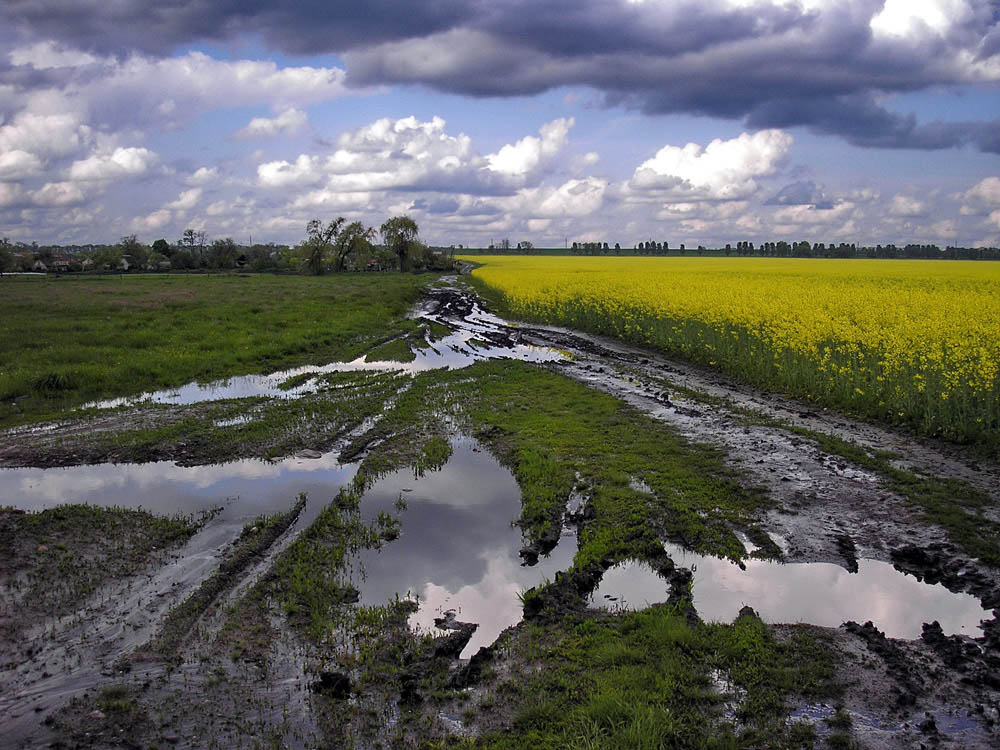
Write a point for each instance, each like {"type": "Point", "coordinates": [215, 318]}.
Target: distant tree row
{"type": "Point", "coordinates": [780, 249]}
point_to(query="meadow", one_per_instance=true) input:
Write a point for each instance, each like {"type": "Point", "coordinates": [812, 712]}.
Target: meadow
{"type": "Point", "coordinates": [906, 342]}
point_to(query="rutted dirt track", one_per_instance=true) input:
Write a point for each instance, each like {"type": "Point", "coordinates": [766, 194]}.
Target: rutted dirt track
{"type": "Point", "coordinates": [940, 690]}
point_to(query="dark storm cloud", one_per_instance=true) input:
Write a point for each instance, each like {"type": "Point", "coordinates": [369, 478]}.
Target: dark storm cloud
{"type": "Point", "coordinates": [803, 193]}
{"type": "Point", "coordinates": [768, 64]}
{"type": "Point", "coordinates": [305, 26]}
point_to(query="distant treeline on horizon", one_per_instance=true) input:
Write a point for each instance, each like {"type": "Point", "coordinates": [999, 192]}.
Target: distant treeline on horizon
{"type": "Point", "coordinates": [748, 249]}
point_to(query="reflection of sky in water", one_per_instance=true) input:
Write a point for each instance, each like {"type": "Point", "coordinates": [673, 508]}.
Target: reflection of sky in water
{"type": "Point", "coordinates": [457, 549]}
{"type": "Point", "coordinates": [452, 352]}
{"type": "Point", "coordinates": [244, 488]}
{"type": "Point", "coordinates": [816, 593]}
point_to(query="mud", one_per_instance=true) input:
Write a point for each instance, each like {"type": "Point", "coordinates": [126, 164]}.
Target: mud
{"type": "Point", "coordinates": [930, 685]}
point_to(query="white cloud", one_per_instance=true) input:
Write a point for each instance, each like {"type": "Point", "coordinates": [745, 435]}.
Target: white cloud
{"type": "Point", "coordinates": [723, 170]}
{"type": "Point", "coordinates": [58, 194]}
{"type": "Point", "coordinates": [43, 134]}
{"type": "Point", "coordinates": [203, 176]}
{"type": "Point", "coordinates": [152, 222]}
{"type": "Point", "coordinates": [290, 121]}
{"type": "Point", "coordinates": [186, 201]}
{"type": "Point", "coordinates": [19, 165]}
{"type": "Point", "coordinates": [529, 152]}
{"type": "Point", "coordinates": [903, 205]}
{"type": "Point", "coordinates": [982, 197]}
{"type": "Point", "coordinates": [280, 174]}
{"type": "Point", "coordinates": [573, 198]}
{"type": "Point", "coordinates": [913, 18]}
{"type": "Point", "coordinates": [412, 154]}
{"type": "Point", "coordinates": [810, 215]}
{"type": "Point", "coordinates": [122, 162]}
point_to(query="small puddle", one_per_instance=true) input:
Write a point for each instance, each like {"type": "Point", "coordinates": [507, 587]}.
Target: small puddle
{"type": "Point", "coordinates": [815, 593]}
{"type": "Point", "coordinates": [457, 549]}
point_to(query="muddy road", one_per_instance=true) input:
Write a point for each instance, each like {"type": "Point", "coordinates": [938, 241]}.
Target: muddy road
{"type": "Point", "coordinates": [860, 517]}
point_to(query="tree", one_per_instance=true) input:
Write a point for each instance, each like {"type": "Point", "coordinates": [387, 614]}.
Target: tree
{"type": "Point", "coordinates": [350, 241]}
{"type": "Point", "coordinates": [320, 243]}
{"type": "Point", "coordinates": [194, 242]}
{"type": "Point", "coordinates": [222, 254]}
{"type": "Point", "coordinates": [107, 258]}
{"type": "Point", "coordinates": [162, 247]}
{"type": "Point", "coordinates": [134, 250]}
{"type": "Point", "coordinates": [399, 233]}
{"type": "Point", "coordinates": [6, 256]}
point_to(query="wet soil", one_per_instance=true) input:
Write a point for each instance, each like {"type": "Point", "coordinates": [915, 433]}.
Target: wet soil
{"type": "Point", "coordinates": [938, 690]}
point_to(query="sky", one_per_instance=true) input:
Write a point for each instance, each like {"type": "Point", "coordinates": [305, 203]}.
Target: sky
{"type": "Point", "coordinates": [680, 121]}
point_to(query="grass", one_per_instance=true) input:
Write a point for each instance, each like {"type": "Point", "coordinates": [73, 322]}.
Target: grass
{"type": "Point", "coordinates": [66, 341]}
{"type": "Point", "coordinates": [641, 680]}
{"type": "Point", "coordinates": [552, 432]}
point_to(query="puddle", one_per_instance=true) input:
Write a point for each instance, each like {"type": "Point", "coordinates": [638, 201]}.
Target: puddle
{"type": "Point", "coordinates": [816, 593]}
{"type": "Point", "coordinates": [457, 549]}
{"type": "Point", "coordinates": [476, 335]}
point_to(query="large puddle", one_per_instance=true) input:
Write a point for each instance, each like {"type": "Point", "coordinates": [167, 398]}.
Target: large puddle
{"type": "Point", "coordinates": [815, 593]}
{"type": "Point", "coordinates": [476, 335]}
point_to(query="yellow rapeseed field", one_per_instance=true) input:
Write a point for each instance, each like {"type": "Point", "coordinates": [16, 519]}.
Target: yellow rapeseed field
{"type": "Point", "coordinates": [907, 341]}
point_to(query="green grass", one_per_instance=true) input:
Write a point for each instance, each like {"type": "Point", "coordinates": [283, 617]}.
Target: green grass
{"type": "Point", "coordinates": [65, 341]}
{"type": "Point", "coordinates": [641, 680]}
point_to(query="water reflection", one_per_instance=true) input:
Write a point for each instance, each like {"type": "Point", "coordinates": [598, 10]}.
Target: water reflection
{"type": "Point", "coordinates": [243, 488]}
{"type": "Point", "coordinates": [458, 549]}
{"type": "Point", "coordinates": [816, 593]}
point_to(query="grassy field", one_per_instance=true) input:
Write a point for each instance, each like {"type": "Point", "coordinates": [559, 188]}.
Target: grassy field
{"type": "Point", "coordinates": [64, 341]}
{"type": "Point", "coordinates": [902, 341]}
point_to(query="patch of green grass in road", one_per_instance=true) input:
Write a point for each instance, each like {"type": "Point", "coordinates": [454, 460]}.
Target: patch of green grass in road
{"type": "Point", "coordinates": [397, 350]}
{"type": "Point", "coordinates": [550, 430]}
{"type": "Point", "coordinates": [644, 680]}
{"type": "Point", "coordinates": [66, 341]}
{"type": "Point", "coordinates": [51, 561]}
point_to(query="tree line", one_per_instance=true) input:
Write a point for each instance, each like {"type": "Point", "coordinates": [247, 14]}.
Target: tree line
{"type": "Point", "coordinates": [336, 246]}
{"type": "Point", "coordinates": [780, 249]}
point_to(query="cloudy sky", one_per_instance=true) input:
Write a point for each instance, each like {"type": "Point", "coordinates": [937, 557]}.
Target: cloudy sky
{"type": "Point", "coordinates": [696, 121]}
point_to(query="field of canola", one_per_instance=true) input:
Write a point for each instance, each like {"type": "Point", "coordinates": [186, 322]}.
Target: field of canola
{"type": "Point", "coordinates": [915, 342]}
